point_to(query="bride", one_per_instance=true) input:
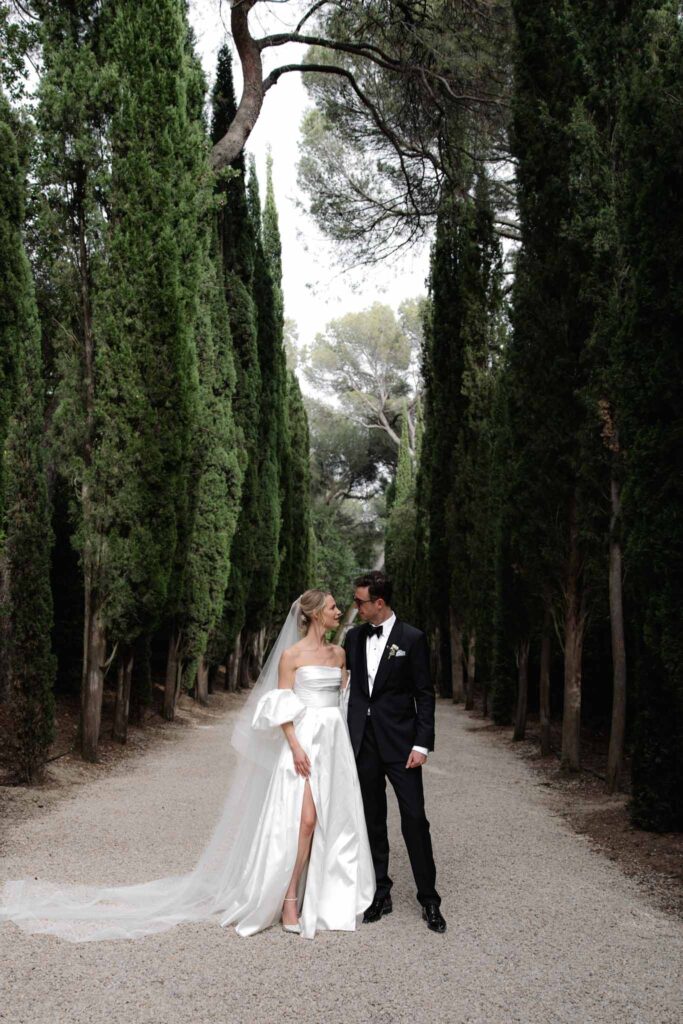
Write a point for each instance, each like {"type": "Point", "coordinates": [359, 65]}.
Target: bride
{"type": "Point", "coordinates": [291, 842]}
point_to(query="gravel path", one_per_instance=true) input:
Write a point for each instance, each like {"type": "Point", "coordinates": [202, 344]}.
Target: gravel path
{"type": "Point", "coordinates": [540, 927]}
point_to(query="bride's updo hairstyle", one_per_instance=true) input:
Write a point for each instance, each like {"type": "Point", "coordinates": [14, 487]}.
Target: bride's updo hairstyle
{"type": "Point", "coordinates": [311, 603]}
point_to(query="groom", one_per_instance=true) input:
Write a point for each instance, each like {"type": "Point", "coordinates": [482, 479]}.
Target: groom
{"type": "Point", "coordinates": [391, 723]}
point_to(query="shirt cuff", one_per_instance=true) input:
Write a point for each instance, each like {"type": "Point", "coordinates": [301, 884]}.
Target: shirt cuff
{"type": "Point", "coordinates": [422, 750]}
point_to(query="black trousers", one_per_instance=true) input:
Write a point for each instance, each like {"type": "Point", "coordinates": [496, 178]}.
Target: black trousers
{"type": "Point", "coordinates": [407, 783]}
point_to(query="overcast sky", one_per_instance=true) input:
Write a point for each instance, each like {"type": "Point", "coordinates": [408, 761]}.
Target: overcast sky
{"type": "Point", "coordinates": [316, 288]}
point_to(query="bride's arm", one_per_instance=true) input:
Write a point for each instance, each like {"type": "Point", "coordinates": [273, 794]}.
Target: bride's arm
{"type": "Point", "coordinates": [286, 669]}
{"type": "Point", "coordinates": [345, 690]}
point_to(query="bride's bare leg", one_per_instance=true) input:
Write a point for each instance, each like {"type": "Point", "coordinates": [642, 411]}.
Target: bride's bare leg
{"type": "Point", "coordinates": [306, 829]}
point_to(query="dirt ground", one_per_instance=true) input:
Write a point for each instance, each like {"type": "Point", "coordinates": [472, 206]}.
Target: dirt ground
{"type": "Point", "coordinates": [654, 860]}
{"type": "Point", "coordinates": [543, 928]}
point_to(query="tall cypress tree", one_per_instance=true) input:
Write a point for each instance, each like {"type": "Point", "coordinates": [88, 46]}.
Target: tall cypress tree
{"type": "Point", "coordinates": [272, 243]}
{"type": "Point", "coordinates": [400, 546]}
{"type": "Point", "coordinates": [293, 435]}
{"type": "Point", "coordinates": [144, 322]}
{"type": "Point", "coordinates": [296, 568]}
{"type": "Point", "coordinates": [272, 440]}
{"type": "Point", "coordinates": [463, 338]}
{"type": "Point", "coordinates": [237, 249]}
{"type": "Point", "coordinates": [24, 513]}
{"type": "Point", "coordinates": [552, 317]}
{"type": "Point", "coordinates": [72, 171]}
{"type": "Point", "coordinates": [648, 370]}
{"type": "Point", "coordinates": [442, 371]}
{"type": "Point", "coordinates": [216, 479]}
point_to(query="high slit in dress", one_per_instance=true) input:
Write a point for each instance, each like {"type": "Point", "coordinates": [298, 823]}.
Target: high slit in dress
{"type": "Point", "coordinates": [339, 882]}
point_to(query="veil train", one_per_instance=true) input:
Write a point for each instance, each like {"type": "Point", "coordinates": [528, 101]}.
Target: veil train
{"type": "Point", "coordinates": [84, 913]}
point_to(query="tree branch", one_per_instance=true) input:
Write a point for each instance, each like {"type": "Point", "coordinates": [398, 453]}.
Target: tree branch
{"type": "Point", "coordinates": [367, 50]}
{"type": "Point", "coordinates": [231, 145]}
{"type": "Point", "coordinates": [310, 12]}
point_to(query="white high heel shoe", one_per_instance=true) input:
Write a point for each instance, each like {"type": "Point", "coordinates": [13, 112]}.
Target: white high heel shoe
{"type": "Point", "coordinates": [296, 928]}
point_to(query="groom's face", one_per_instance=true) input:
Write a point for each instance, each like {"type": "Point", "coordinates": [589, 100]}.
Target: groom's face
{"type": "Point", "coordinates": [368, 610]}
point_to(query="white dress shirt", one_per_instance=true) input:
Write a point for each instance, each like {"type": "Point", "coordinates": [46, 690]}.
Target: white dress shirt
{"type": "Point", "coordinates": [374, 649]}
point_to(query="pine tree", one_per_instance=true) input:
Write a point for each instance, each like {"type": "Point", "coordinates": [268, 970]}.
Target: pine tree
{"type": "Point", "coordinates": [24, 514]}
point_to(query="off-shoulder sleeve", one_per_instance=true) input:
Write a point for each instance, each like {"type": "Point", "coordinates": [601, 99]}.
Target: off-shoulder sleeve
{"type": "Point", "coordinates": [275, 708]}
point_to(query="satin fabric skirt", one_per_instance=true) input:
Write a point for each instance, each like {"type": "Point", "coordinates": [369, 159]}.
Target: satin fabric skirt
{"type": "Point", "coordinates": [339, 882]}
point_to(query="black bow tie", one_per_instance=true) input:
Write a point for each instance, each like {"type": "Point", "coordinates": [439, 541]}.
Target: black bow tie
{"type": "Point", "coordinates": [375, 630]}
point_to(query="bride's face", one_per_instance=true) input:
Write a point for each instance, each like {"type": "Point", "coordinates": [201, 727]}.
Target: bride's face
{"type": "Point", "coordinates": [330, 614]}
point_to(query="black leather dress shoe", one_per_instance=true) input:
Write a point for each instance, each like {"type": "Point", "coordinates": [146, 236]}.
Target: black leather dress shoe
{"type": "Point", "coordinates": [380, 905]}
{"type": "Point", "coordinates": [434, 918]}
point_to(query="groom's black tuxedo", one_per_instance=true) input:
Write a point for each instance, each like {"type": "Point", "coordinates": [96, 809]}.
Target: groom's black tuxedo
{"type": "Point", "coordinates": [401, 715]}
{"type": "Point", "coordinates": [402, 701]}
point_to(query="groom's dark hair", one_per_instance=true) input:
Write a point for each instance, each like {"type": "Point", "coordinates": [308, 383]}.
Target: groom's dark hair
{"type": "Point", "coordinates": [378, 584]}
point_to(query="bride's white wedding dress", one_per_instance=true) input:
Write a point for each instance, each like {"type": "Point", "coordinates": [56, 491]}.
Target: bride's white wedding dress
{"type": "Point", "coordinates": [339, 882]}
{"type": "Point", "coordinates": [245, 869]}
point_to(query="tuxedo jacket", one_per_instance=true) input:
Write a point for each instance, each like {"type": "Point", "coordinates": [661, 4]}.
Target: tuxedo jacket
{"type": "Point", "coordinates": [402, 701]}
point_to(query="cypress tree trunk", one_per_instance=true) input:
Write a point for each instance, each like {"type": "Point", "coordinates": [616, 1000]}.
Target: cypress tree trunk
{"type": "Point", "coordinates": [171, 680]}
{"type": "Point", "coordinates": [574, 627]}
{"type": "Point", "coordinates": [94, 641]}
{"type": "Point", "coordinates": [544, 681]}
{"type": "Point", "coordinates": [233, 666]}
{"type": "Point", "coordinates": [522, 690]}
{"type": "Point", "coordinates": [122, 706]}
{"type": "Point", "coordinates": [615, 755]}
{"type": "Point", "coordinates": [95, 647]}
{"type": "Point", "coordinates": [202, 682]}
{"type": "Point", "coordinates": [471, 670]}
{"type": "Point", "coordinates": [260, 650]}
{"type": "Point", "coordinates": [141, 681]}
{"type": "Point", "coordinates": [4, 631]}
{"type": "Point", "coordinates": [244, 677]}
{"type": "Point", "coordinates": [457, 680]}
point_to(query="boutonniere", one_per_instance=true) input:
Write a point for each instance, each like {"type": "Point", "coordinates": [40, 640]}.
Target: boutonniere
{"type": "Point", "coordinates": [393, 650]}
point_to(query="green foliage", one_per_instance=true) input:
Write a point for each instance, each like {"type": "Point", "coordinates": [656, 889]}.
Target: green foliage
{"type": "Point", "coordinates": [442, 372]}
{"type": "Point", "coordinates": [335, 559]}
{"type": "Point", "coordinates": [272, 245]}
{"type": "Point", "coordinates": [272, 441]}
{"type": "Point", "coordinates": [648, 371]}
{"type": "Point", "coordinates": [237, 242]}
{"type": "Point", "coordinates": [145, 310]}
{"type": "Point", "coordinates": [25, 515]}
{"type": "Point", "coordinates": [400, 547]}
{"type": "Point", "coordinates": [18, 37]}
{"type": "Point", "coordinates": [216, 474]}
{"type": "Point", "coordinates": [373, 177]}
{"type": "Point", "coordinates": [295, 557]}
{"type": "Point", "coordinates": [456, 519]}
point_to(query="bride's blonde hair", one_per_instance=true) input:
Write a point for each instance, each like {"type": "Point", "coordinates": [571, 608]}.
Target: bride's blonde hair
{"type": "Point", "coordinates": [311, 603]}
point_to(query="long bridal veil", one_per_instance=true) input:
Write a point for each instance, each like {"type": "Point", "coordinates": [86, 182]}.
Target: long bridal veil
{"type": "Point", "coordinates": [81, 913]}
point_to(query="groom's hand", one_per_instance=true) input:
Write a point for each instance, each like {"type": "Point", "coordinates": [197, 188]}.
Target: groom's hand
{"type": "Point", "coordinates": [415, 759]}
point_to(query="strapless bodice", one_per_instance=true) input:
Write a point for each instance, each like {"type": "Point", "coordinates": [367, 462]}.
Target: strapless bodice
{"type": "Point", "coordinates": [317, 686]}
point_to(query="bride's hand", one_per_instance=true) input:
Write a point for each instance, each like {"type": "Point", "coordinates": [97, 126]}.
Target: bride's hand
{"type": "Point", "coordinates": [302, 764]}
